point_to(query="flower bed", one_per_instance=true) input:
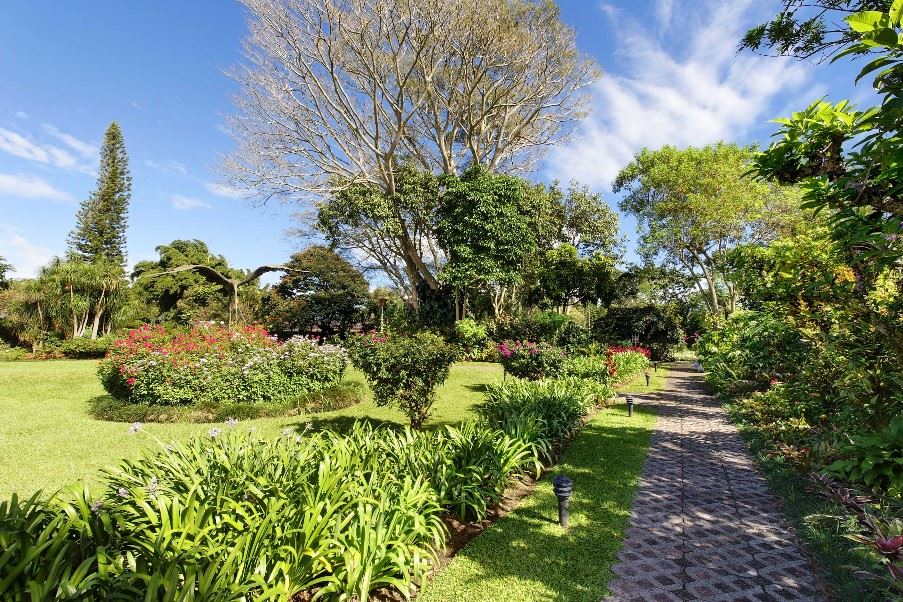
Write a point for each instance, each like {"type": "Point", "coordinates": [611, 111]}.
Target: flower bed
{"type": "Point", "coordinates": [234, 516]}
{"type": "Point", "coordinates": [213, 365]}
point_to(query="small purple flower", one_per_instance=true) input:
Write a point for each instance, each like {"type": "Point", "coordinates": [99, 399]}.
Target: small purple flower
{"type": "Point", "coordinates": [232, 422]}
{"type": "Point", "coordinates": [96, 505]}
{"type": "Point", "coordinates": [136, 426]}
{"type": "Point", "coordinates": [122, 492]}
{"type": "Point", "coordinates": [892, 237]}
{"type": "Point", "coordinates": [214, 433]}
{"type": "Point", "coordinates": [152, 487]}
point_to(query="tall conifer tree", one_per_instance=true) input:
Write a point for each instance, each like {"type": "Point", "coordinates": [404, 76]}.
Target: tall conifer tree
{"type": "Point", "coordinates": [99, 233]}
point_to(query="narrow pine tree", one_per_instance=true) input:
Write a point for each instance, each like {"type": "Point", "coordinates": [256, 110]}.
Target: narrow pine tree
{"type": "Point", "coordinates": [99, 233]}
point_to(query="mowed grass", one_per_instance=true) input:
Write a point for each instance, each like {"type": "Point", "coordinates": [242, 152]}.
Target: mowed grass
{"type": "Point", "coordinates": [527, 556]}
{"type": "Point", "coordinates": [49, 440]}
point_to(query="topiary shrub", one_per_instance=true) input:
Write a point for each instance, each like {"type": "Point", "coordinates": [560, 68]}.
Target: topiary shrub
{"type": "Point", "coordinates": [211, 365]}
{"type": "Point", "coordinates": [533, 361]}
{"type": "Point", "coordinates": [404, 370]}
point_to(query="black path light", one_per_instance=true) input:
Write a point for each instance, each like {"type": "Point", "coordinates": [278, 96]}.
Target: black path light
{"type": "Point", "coordinates": [647, 378]}
{"type": "Point", "coordinates": [630, 405]}
{"type": "Point", "coordinates": [655, 365]}
{"type": "Point", "coordinates": [563, 487]}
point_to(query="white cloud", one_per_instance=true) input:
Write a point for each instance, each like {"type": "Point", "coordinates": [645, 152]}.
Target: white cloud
{"type": "Point", "coordinates": [168, 167]}
{"type": "Point", "coordinates": [705, 93]}
{"type": "Point", "coordinates": [19, 146]}
{"type": "Point", "coordinates": [179, 201]}
{"type": "Point", "coordinates": [224, 191]}
{"type": "Point", "coordinates": [26, 258]}
{"type": "Point", "coordinates": [83, 148]}
{"type": "Point", "coordinates": [21, 115]}
{"type": "Point", "coordinates": [137, 106]}
{"type": "Point", "coordinates": [664, 10]}
{"type": "Point", "coordinates": [29, 187]}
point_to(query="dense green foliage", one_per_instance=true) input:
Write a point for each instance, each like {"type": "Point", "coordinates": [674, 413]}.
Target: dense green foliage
{"type": "Point", "coordinates": [533, 361]}
{"type": "Point", "coordinates": [99, 233]}
{"type": "Point", "coordinates": [185, 297]}
{"type": "Point", "coordinates": [654, 326]}
{"type": "Point", "coordinates": [320, 292]}
{"type": "Point", "coordinates": [485, 233]}
{"type": "Point", "coordinates": [209, 366]}
{"type": "Point", "coordinates": [404, 370]}
{"type": "Point", "coordinates": [233, 514]}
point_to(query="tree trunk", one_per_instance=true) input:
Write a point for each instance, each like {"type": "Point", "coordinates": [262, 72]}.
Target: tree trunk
{"type": "Point", "coordinates": [98, 312]}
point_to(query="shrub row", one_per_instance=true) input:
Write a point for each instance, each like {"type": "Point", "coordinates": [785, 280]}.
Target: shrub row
{"type": "Point", "coordinates": [210, 365]}
{"type": "Point", "coordinates": [233, 516]}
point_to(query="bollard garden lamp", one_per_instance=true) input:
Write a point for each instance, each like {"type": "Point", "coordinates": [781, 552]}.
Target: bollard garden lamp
{"type": "Point", "coordinates": [563, 487]}
{"type": "Point", "coordinates": [655, 365]}
{"type": "Point", "coordinates": [647, 378]}
{"type": "Point", "coordinates": [630, 405]}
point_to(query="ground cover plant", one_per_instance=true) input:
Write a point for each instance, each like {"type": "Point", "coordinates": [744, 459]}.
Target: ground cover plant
{"type": "Point", "coordinates": [210, 365]}
{"type": "Point", "coordinates": [50, 439]}
{"type": "Point", "coordinates": [235, 514]}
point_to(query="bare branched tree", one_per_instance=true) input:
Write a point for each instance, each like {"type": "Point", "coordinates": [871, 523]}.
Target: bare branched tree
{"type": "Point", "coordinates": [340, 93]}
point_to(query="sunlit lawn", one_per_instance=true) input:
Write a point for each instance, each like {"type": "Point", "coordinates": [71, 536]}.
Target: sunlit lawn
{"type": "Point", "coordinates": [49, 440]}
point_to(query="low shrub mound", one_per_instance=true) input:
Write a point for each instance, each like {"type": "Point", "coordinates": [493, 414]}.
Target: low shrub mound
{"type": "Point", "coordinates": [211, 366]}
{"type": "Point", "coordinates": [533, 361]}
{"type": "Point", "coordinates": [312, 514]}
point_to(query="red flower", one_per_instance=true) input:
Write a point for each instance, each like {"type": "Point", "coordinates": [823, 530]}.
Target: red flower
{"type": "Point", "coordinates": [890, 545]}
{"type": "Point", "coordinates": [130, 381]}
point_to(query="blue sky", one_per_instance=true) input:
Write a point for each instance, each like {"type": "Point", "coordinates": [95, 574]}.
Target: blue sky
{"type": "Point", "coordinates": [671, 75]}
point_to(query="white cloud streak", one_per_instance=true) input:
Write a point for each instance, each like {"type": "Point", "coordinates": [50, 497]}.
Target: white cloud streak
{"type": "Point", "coordinates": [181, 202]}
{"type": "Point", "coordinates": [20, 146]}
{"type": "Point", "coordinates": [19, 186]}
{"type": "Point", "coordinates": [224, 191]}
{"type": "Point", "coordinates": [706, 93]}
{"type": "Point", "coordinates": [83, 148]}
{"type": "Point", "coordinates": [26, 258]}
{"type": "Point", "coordinates": [168, 167]}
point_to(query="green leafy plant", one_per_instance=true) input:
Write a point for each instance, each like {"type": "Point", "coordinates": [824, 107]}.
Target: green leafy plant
{"type": "Point", "coordinates": [534, 361]}
{"type": "Point", "coordinates": [404, 371]}
{"type": "Point", "coordinates": [875, 460]}
{"type": "Point", "coordinates": [472, 336]}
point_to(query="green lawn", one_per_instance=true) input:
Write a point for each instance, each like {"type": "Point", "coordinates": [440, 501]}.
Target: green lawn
{"type": "Point", "coordinates": [49, 440]}
{"type": "Point", "coordinates": [526, 556]}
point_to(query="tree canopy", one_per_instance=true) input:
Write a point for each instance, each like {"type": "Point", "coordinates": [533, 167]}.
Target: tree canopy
{"type": "Point", "coordinates": [694, 204]}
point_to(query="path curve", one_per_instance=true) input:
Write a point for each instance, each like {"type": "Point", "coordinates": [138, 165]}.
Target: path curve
{"type": "Point", "coordinates": [704, 525]}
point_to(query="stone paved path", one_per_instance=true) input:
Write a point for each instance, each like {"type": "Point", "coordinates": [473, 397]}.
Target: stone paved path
{"type": "Point", "coordinates": [704, 524]}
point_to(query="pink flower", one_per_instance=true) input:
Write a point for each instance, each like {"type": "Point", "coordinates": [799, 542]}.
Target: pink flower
{"type": "Point", "coordinates": [890, 545]}
{"type": "Point", "coordinates": [130, 381]}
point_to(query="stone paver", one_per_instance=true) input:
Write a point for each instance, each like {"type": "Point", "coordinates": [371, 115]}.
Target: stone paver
{"type": "Point", "coordinates": [704, 525]}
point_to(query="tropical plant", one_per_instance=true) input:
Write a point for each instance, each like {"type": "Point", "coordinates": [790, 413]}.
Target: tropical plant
{"type": "Point", "coordinates": [533, 361]}
{"type": "Point", "coordinates": [404, 370]}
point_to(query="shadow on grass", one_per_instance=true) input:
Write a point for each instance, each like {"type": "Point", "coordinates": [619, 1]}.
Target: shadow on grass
{"type": "Point", "coordinates": [527, 556]}
{"type": "Point", "coordinates": [478, 388]}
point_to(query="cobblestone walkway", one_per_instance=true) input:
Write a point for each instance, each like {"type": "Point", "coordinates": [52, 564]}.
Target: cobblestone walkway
{"type": "Point", "coordinates": [704, 525]}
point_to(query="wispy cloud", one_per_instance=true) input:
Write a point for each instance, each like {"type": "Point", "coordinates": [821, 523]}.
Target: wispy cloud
{"type": "Point", "coordinates": [85, 149]}
{"type": "Point", "coordinates": [168, 167]}
{"type": "Point", "coordinates": [223, 190]}
{"type": "Point", "coordinates": [27, 258]}
{"type": "Point", "coordinates": [135, 105]}
{"type": "Point", "coordinates": [179, 201]}
{"type": "Point", "coordinates": [20, 186]}
{"type": "Point", "coordinates": [21, 115]}
{"type": "Point", "coordinates": [696, 95]}
{"type": "Point", "coordinates": [26, 148]}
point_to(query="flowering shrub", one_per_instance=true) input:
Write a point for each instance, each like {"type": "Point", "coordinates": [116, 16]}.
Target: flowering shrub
{"type": "Point", "coordinates": [533, 361]}
{"type": "Point", "coordinates": [404, 370]}
{"type": "Point", "coordinates": [212, 365]}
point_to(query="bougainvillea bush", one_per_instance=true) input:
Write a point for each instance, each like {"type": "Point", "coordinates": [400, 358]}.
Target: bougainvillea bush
{"type": "Point", "coordinates": [209, 365]}
{"type": "Point", "coordinates": [533, 361]}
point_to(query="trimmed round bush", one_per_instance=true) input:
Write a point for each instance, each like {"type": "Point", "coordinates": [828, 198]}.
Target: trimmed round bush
{"type": "Point", "coordinates": [211, 365]}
